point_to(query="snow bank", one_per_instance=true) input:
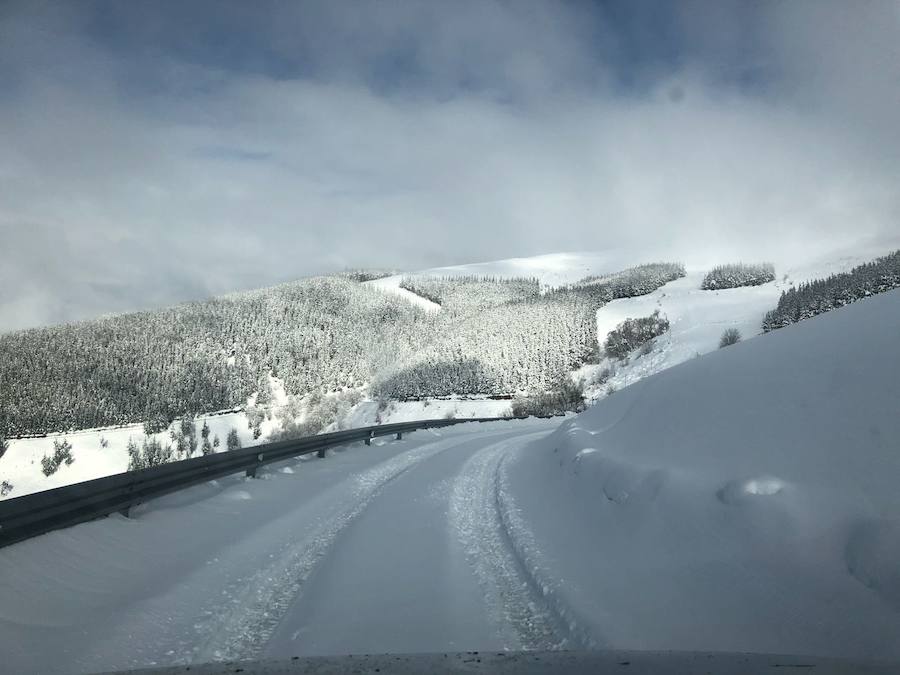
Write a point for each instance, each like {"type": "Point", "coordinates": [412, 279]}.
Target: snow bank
{"type": "Point", "coordinates": [744, 501]}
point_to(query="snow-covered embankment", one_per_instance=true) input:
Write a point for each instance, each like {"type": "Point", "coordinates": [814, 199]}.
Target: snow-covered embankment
{"type": "Point", "coordinates": [744, 501]}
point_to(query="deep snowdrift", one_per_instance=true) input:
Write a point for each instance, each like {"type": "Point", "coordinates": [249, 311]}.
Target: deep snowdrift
{"type": "Point", "coordinates": [747, 500]}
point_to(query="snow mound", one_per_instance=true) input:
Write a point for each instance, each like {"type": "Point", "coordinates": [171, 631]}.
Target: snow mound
{"type": "Point", "coordinates": [743, 501]}
{"type": "Point", "coordinates": [737, 491]}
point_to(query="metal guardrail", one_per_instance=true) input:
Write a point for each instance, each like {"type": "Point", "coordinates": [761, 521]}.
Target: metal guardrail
{"type": "Point", "coordinates": [40, 512]}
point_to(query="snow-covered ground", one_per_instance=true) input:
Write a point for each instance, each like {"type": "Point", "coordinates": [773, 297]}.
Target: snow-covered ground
{"type": "Point", "coordinates": [552, 269]}
{"type": "Point", "coordinates": [367, 413]}
{"type": "Point", "coordinates": [103, 452]}
{"type": "Point", "coordinates": [21, 465]}
{"type": "Point", "coordinates": [697, 320]}
{"type": "Point", "coordinates": [353, 553]}
{"type": "Point", "coordinates": [743, 501]}
{"type": "Point", "coordinates": [392, 285]}
{"type": "Point", "coordinates": [558, 269]}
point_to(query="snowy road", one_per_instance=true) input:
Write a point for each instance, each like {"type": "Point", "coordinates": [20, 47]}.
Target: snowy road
{"type": "Point", "coordinates": [395, 548]}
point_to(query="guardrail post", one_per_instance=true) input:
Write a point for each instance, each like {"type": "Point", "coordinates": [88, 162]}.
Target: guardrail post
{"type": "Point", "coordinates": [321, 453]}
{"type": "Point", "coordinates": [399, 435]}
{"type": "Point", "coordinates": [369, 438]}
{"type": "Point", "coordinates": [251, 471]}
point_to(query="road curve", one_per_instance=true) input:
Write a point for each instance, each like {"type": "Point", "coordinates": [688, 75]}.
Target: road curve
{"type": "Point", "coordinates": [395, 548]}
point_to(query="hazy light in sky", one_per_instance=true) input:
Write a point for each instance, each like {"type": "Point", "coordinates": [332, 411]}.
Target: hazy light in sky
{"type": "Point", "coordinates": [152, 152]}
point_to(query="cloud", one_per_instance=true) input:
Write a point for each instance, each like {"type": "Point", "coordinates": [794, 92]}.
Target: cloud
{"type": "Point", "coordinates": [141, 164]}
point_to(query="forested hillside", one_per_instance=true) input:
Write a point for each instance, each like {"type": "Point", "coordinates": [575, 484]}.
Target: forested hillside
{"type": "Point", "coordinates": [493, 337]}
{"type": "Point", "coordinates": [316, 334]}
{"type": "Point", "coordinates": [471, 292]}
{"type": "Point", "coordinates": [638, 280]}
{"type": "Point", "coordinates": [504, 336]}
{"type": "Point", "coordinates": [735, 275]}
{"type": "Point", "coordinates": [821, 295]}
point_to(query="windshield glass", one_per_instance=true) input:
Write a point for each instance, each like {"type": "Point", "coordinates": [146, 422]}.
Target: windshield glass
{"type": "Point", "coordinates": [397, 327]}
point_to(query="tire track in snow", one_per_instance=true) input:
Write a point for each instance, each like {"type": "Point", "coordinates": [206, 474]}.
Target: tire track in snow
{"type": "Point", "coordinates": [240, 623]}
{"type": "Point", "coordinates": [521, 599]}
{"type": "Point", "coordinates": [528, 552]}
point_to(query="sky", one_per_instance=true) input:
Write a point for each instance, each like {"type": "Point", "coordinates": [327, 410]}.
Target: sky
{"type": "Point", "coordinates": [157, 151]}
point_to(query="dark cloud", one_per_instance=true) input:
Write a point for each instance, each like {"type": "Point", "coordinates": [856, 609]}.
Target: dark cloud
{"type": "Point", "coordinates": [153, 152]}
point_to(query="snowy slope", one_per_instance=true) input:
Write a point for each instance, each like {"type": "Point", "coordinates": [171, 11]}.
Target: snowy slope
{"type": "Point", "coordinates": [103, 452]}
{"type": "Point", "coordinates": [21, 465]}
{"type": "Point", "coordinates": [367, 413]}
{"type": "Point", "coordinates": [558, 269]}
{"type": "Point", "coordinates": [744, 501]}
{"type": "Point", "coordinates": [698, 318]}
{"type": "Point", "coordinates": [552, 269]}
{"type": "Point", "coordinates": [392, 285]}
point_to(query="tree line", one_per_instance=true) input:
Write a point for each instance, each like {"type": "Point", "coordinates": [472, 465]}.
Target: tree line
{"type": "Point", "coordinates": [736, 275]}
{"type": "Point", "coordinates": [822, 295]}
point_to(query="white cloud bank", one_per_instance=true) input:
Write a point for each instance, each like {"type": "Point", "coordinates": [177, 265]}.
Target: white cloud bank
{"type": "Point", "coordinates": [139, 178]}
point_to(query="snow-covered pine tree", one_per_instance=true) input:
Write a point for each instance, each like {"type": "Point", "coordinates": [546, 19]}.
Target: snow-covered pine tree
{"type": "Point", "coordinates": [232, 442]}
{"type": "Point", "coordinates": [734, 275]}
{"type": "Point", "coordinates": [811, 298]}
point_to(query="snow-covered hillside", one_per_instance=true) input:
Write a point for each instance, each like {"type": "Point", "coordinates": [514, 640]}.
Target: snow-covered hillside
{"type": "Point", "coordinates": [558, 269]}
{"type": "Point", "coordinates": [697, 319]}
{"type": "Point", "coordinates": [391, 285]}
{"type": "Point", "coordinates": [743, 501]}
